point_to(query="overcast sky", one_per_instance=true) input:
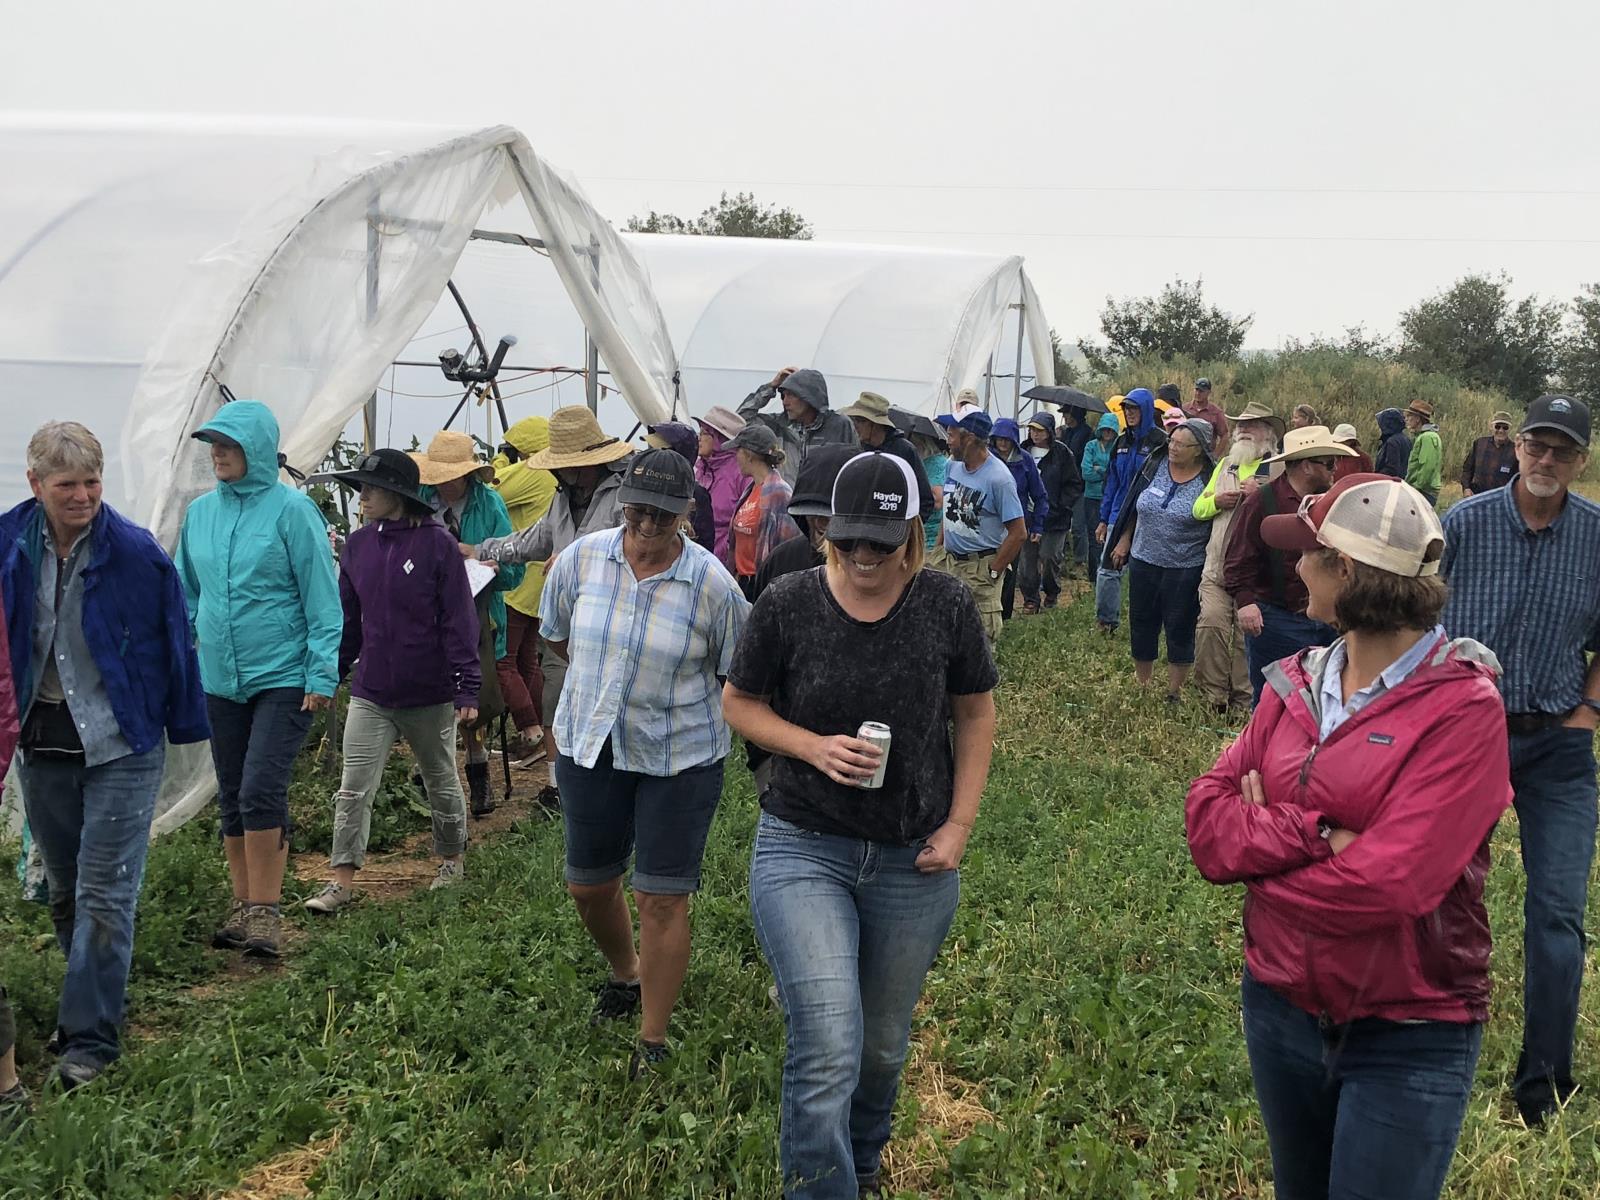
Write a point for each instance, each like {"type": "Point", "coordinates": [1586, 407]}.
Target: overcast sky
{"type": "Point", "coordinates": [1318, 165]}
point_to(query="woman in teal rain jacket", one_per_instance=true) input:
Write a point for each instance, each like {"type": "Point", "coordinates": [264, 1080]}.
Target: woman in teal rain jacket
{"type": "Point", "coordinates": [457, 482]}
{"type": "Point", "coordinates": [257, 571]}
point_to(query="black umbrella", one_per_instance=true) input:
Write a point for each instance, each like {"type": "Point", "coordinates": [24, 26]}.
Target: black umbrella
{"type": "Point", "coordinates": [910, 423]}
{"type": "Point", "coordinates": [1066, 397]}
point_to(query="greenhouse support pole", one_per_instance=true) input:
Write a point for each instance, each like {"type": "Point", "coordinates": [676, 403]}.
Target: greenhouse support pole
{"type": "Point", "coordinates": [1016, 380]}
{"type": "Point", "coordinates": [591, 374]}
{"type": "Point", "coordinates": [369, 411]}
{"type": "Point", "coordinates": [988, 383]}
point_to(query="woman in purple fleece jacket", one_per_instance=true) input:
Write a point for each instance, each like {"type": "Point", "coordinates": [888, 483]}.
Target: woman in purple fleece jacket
{"type": "Point", "coordinates": [411, 632]}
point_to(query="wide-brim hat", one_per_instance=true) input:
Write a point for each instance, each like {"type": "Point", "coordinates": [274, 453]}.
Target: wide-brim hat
{"type": "Point", "coordinates": [1257, 411]}
{"type": "Point", "coordinates": [1421, 407]}
{"type": "Point", "coordinates": [721, 421]}
{"type": "Point", "coordinates": [576, 440]}
{"type": "Point", "coordinates": [871, 407]}
{"type": "Point", "coordinates": [450, 455]}
{"type": "Point", "coordinates": [1310, 441]}
{"type": "Point", "coordinates": [392, 470]}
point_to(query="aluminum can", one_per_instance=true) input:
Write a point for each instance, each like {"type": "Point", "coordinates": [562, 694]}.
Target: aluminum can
{"type": "Point", "coordinates": [878, 735]}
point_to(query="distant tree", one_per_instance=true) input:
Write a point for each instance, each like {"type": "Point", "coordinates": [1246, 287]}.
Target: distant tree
{"type": "Point", "coordinates": [1066, 369]}
{"type": "Point", "coordinates": [1474, 333]}
{"type": "Point", "coordinates": [1579, 356]}
{"type": "Point", "coordinates": [1176, 324]}
{"type": "Point", "coordinates": [1356, 341]}
{"type": "Point", "coordinates": [738, 216]}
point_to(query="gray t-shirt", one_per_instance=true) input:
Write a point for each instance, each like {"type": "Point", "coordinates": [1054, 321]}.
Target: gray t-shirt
{"type": "Point", "coordinates": [827, 672]}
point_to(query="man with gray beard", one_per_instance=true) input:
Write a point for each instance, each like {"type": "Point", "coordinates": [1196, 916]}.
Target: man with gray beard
{"type": "Point", "coordinates": [1220, 670]}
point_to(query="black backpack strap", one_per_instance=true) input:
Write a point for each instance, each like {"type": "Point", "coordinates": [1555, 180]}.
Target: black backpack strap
{"type": "Point", "coordinates": [1275, 563]}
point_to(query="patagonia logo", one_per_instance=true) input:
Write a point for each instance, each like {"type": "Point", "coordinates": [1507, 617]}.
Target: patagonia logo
{"type": "Point", "coordinates": [1380, 739]}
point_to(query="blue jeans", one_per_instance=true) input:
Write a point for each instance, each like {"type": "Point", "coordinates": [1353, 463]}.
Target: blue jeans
{"type": "Point", "coordinates": [1553, 776]}
{"type": "Point", "coordinates": [1163, 598]}
{"type": "Point", "coordinates": [1282, 634]}
{"type": "Point", "coordinates": [662, 822]}
{"type": "Point", "coordinates": [1372, 1108]}
{"type": "Point", "coordinates": [253, 746]}
{"type": "Point", "coordinates": [1108, 596]}
{"type": "Point", "coordinates": [849, 928]}
{"type": "Point", "coordinates": [92, 826]}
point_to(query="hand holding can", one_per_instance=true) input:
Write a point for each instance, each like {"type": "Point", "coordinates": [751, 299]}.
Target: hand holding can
{"type": "Point", "coordinates": [878, 735]}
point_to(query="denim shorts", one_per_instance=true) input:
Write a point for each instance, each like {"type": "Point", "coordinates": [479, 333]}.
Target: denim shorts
{"type": "Point", "coordinates": [662, 822]}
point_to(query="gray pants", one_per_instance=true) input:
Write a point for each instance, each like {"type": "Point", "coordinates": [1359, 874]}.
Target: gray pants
{"type": "Point", "coordinates": [555, 674]}
{"type": "Point", "coordinates": [370, 733]}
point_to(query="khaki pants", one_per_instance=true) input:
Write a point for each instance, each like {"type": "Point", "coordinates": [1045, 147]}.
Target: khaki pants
{"type": "Point", "coordinates": [974, 572]}
{"type": "Point", "coordinates": [1220, 670]}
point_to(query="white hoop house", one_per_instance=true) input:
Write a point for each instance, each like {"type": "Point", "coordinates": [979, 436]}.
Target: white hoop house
{"type": "Point", "coordinates": [143, 261]}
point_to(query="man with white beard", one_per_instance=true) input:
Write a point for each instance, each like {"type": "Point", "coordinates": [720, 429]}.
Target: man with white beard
{"type": "Point", "coordinates": [1220, 670]}
{"type": "Point", "coordinates": [1523, 564]}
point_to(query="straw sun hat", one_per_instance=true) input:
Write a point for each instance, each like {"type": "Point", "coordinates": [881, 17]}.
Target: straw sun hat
{"type": "Point", "coordinates": [576, 440]}
{"type": "Point", "coordinates": [450, 456]}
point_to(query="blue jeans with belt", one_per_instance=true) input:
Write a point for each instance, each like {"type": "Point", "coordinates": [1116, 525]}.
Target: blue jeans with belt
{"type": "Point", "coordinates": [849, 928]}
{"type": "Point", "coordinates": [1553, 777]}
{"type": "Point", "coordinates": [1371, 1108]}
{"type": "Point", "coordinates": [1282, 633]}
{"type": "Point", "coordinates": [92, 826]}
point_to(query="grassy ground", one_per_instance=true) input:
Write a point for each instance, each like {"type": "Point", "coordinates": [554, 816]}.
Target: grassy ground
{"type": "Point", "coordinates": [1079, 1037]}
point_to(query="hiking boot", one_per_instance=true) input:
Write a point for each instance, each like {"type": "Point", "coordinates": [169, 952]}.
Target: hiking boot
{"type": "Point", "coordinates": [72, 1073]}
{"type": "Point", "coordinates": [478, 789]}
{"type": "Point", "coordinates": [331, 898]}
{"type": "Point", "coordinates": [615, 1000]}
{"type": "Point", "coordinates": [869, 1187]}
{"type": "Point", "coordinates": [450, 874]}
{"type": "Point", "coordinates": [647, 1056]}
{"type": "Point", "coordinates": [1050, 601]}
{"type": "Point", "coordinates": [261, 931]}
{"type": "Point", "coordinates": [231, 934]}
{"type": "Point", "coordinates": [549, 799]}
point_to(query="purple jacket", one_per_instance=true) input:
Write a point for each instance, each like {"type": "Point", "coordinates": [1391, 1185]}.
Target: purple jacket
{"type": "Point", "coordinates": [720, 476]}
{"type": "Point", "coordinates": [405, 594]}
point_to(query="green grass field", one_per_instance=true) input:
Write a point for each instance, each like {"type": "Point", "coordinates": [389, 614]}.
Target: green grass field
{"type": "Point", "coordinates": [1079, 1037]}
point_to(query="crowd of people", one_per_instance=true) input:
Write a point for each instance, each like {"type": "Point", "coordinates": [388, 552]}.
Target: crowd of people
{"type": "Point", "coordinates": [796, 577]}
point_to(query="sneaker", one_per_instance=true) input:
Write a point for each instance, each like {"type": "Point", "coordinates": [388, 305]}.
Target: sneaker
{"type": "Point", "coordinates": [549, 799]}
{"type": "Point", "coordinates": [231, 934]}
{"type": "Point", "coordinates": [647, 1056]}
{"type": "Point", "coordinates": [331, 898]}
{"type": "Point", "coordinates": [615, 1000]}
{"type": "Point", "coordinates": [450, 874]}
{"type": "Point", "coordinates": [261, 932]}
{"type": "Point", "coordinates": [14, 1104]}
{"type": "Point", "coordinates": [72, 1073]}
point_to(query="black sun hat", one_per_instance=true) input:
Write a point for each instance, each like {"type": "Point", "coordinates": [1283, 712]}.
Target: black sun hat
{"type": "Point", "coordinates": [392, 470]}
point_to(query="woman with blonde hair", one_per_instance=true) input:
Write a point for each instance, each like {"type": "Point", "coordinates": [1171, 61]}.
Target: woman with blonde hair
{"type": "Point", "coordinates": [855, 876]}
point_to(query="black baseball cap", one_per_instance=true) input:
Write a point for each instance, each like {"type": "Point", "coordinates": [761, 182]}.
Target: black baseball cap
{"type": "Point", "coordinates": [874, 497]}
{"type": "Point", "coordinates": [659, 479]}
{"type": "Point", "coordinates": [1564, 414]}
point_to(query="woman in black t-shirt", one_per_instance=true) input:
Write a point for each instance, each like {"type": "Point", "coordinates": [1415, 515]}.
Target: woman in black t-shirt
{"type": "Point", "coordinates": [853, 890]}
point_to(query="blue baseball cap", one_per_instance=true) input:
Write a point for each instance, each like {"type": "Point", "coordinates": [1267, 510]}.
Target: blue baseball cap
{"type": "Point", "coordinates": [979, 424]}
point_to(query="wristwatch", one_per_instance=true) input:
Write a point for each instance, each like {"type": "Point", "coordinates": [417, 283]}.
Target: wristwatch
{"type": "Point", "coordinates": [994, 576]}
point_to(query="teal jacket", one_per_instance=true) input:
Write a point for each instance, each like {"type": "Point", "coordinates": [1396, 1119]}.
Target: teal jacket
{"type": "Point", "coordinates": [257, 571]}
{"type": "Point", "coordinates": [486, 516]}
{"type": "Point", "coordinates": [1096, 459]}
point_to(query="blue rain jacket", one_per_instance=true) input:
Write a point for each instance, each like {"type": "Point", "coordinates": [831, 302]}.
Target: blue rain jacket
{"type": "Point", "coordinates": [1128, 453]}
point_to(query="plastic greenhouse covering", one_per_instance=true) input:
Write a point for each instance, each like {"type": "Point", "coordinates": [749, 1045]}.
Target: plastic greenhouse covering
{"type": "Point", "coordinates": [143, 261]}
{"type": "Point", "coordinates": [915, 325]}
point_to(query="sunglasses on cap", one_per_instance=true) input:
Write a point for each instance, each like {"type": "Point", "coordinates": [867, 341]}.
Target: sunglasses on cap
{"type": "Point", "coordinates": [848, 546]}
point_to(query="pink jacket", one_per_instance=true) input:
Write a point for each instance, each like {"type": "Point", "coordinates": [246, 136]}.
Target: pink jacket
{"type": "Point", "coordinates": [1394, 927]}
{"type": "Point", "coordinates": [720, 476]}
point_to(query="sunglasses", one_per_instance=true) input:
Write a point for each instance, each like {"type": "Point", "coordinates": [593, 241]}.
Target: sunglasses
{"type": "Point", "coordinates": [848, 546]}
{"type": "Point", "coordinates": [1325, 463]}
{"type": "Point", "coordinates": [638, 514]}
{"type": "Point", "coordinates": [1536, 450]}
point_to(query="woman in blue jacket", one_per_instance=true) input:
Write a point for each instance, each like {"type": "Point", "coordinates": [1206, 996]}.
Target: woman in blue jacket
{"type": "Point", "coordinates": [257, 571]}
{"type": "Point", "coordinates": [1006, 441]}
{"type": "Point", "coordinates": [1141, 433]}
